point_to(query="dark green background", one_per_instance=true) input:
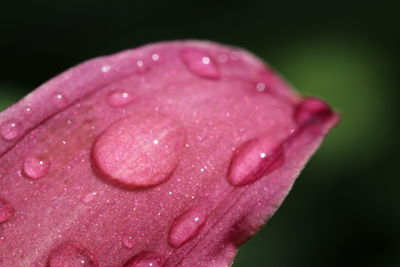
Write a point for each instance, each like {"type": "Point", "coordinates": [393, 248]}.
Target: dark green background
{"type": "Point", "coordinates": [344, 209]}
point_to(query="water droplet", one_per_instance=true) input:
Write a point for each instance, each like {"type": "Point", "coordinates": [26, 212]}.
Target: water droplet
{"type": "Point", "coordinates": [6, 210]}
{"type": "Point", "coordinates": [200, 63]}
{"type": "Point", "coordinates": [128, 241]}
{"type": "Point", "coordinates": [186, 227]}
{"type": "Point", "coordinates": [139, 63]}
{"type": "Point", "coordinates": [10, 130]}
{"type": "Point", "coordinates": [312, 111]}
{"type": "Point", "coordinates": [141, 66]}
{"type": "Point", "coordinates": [89, 197]}
{"type": "Point", "coordinates": [71, 254]}
{"type": "Point", "coordinates": [223, 58]}
{"type": "Point", "coordinates": [105, 68]}
{"type": "Point", "coordinates": [60, 101]}
{"type": "Point", "coordinates": [126, 154]}
{"type": "Point", "coordinates": [155, 57]}
{"type": "Point", "coordinates": [260, 87]}
{"type": "Point", "coordinates": [254, 159]}
{"type": "Point", "coordinates": [234, 56]}
{"type": "Point", "coordinates": [35, 167]}
{"type": "Point", "coordinates": [145, 259]}
{"type": "Point", "coordinates": [119, 98]}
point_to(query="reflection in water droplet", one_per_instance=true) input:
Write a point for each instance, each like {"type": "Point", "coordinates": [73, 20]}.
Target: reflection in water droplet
{"type": "Point", "coordinates": [35, 167]}
{"type": "Point", "coordinates": [10, 130]}
{"type": "Point", "coordinates": [6, 210]}
{"type": "Point", "coordinates": [119, 98]}
{"type": "Point", "coordinates": [200, 63]}
{"type": "Point", "coordinates": [254, 159]}
{"type": "Point", "coordinates": [60, 101]}
{"type": "Point", "coordinates": [186, 227]}
{"type": "Point", "coordinates": [71, 254]}
{"type": "Point", "coordinates": [127, 154]}
{"type": "Point", "coordinates": [145, 259]}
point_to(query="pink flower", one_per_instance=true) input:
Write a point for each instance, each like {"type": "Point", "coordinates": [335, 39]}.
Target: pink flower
{"type": "Point", "coordinates": [172, 154]}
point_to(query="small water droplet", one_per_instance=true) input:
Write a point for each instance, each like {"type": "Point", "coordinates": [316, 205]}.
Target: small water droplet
{"type": "Point", "coordinates": [186, 227]}
{"type": "Point", "coordinates": [223, 58]}
{"type": "Point", "coordinates": [125, 153]}
{"type": "Point", "coordinates": [128, 241]}
{"type": "Point", "coordinates": [119, 98]}
{"type": "Point", "coordinates": [60, 101]}
{"type": "Point", "coordinates": [254, 159]}
{"type": "Point", "coordinates": [6, 210]}
{"type": "Point", "coordinates": [234, 56]}
{"type": "Point", "coordinates": [260, 87]}
{"type": "Point", "coordinates": [71, 254]}
{"type": "Point", "coordinates": [35, 167]}
{"type": "Point", "coordinates": [312, 111]}
{"type": "Point", "coordinates": [106, 68]}
{"type": "Point", "coordinates": [145, 259]}
{"type": "Point", "coordinates": [10, 130]}
{"type": "Point", "coordinates": [155, 57]}
{"type": "Point", "coordinates": [200, 63]}
{"type": "Point", "coordinates": [139, 63]}
{"type": "Point", "coordinates": [89, 197]}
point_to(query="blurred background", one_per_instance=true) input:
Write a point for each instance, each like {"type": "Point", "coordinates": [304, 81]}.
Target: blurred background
{"type": "Point", "coordinates": [344, 210]}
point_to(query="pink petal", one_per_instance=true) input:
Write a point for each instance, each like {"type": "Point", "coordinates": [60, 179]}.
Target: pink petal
{"type": "Point", "coordinates": [172, 154]}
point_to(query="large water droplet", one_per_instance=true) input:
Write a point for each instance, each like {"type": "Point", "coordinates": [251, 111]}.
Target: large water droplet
{"type": "Point", "coordinates": [6, 210]}
{"type": "Point", "coordinates": [10, 130]}
{"type": "Point", "coordinates": [312, 111]}
{"type": "Point", "coordinates": [139, 151]}
{"type": "Point", "coordinates": [119, 98]}
{"type": "Point", "coordinates": [200, 63]}
{"type": "Point", "coordinates": [70, 254]}
{"type": "Point", "coordinates": [145, 259]}
{"type": "Point", "coordinates": [35, 167]}
{"type": "Point", "coordinates": [254, 159]}
{"type": "Point", "coordinates": [186, 227]}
